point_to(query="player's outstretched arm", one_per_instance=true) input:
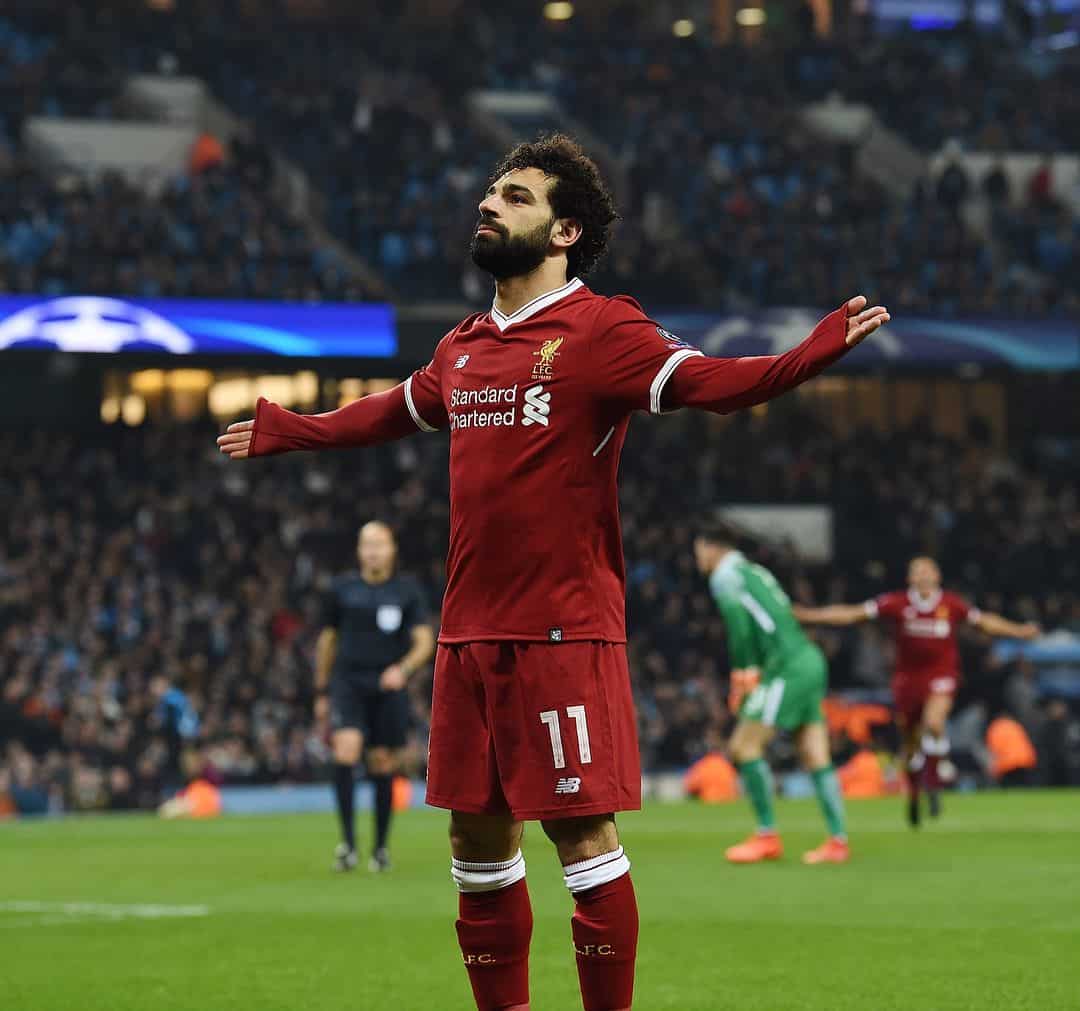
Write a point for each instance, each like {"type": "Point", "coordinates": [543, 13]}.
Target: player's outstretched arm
{"type": "Point", "coordinates": [834, 614]}
{"type": "Point", "coordinates": [995, 624]}
{"type": "Point", "coordinates": [380, 417]}
{"type": "Point", "coordinates": [730, 384]}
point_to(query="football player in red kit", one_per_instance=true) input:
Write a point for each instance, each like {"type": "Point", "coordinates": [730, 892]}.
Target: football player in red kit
{"type": "Point", "coordinates": [925, 619]}
{"type": "Point", "coordinates": [532, 714]}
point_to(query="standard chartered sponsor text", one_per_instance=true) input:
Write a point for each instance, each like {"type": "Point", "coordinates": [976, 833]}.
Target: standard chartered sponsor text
{"type": "Point", "coordinates": [492, 396]}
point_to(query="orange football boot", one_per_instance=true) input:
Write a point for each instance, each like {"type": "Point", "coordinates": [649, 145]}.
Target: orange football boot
{"type": "Point", "coordinates": [831, 851]}
{"type": "Point", "coordinates": [760, 846]}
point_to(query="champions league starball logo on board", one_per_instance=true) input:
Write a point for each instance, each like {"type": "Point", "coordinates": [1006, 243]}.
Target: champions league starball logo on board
{"type": "Point", "coordinates": [91, 323]}
{"type": "Point", "coordinates": [189, 326]}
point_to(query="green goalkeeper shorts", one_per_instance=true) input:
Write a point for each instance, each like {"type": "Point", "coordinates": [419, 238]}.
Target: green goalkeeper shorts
{"type": "Point", "coordinates": [791, 698]}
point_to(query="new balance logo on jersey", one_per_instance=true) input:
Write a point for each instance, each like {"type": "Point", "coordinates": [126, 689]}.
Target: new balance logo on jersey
{"type": "Point", "coordinates": [537, 406]}
{"type": "Point", "coordinates": [570, 785]}
{"type": "Point", "coordinates": [460, 363]}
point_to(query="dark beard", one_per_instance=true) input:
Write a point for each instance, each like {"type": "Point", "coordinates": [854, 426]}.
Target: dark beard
{"type": "Point", "coordinates": [516, 256]}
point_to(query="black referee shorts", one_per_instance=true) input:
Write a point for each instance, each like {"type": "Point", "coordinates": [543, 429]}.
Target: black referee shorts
{"type": "Point", "coordinates": [382, 717]}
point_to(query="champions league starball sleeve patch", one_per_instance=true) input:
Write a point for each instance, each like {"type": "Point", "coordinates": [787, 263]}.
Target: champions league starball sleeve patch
{"type": "Point", "coordinates": [673, 340]}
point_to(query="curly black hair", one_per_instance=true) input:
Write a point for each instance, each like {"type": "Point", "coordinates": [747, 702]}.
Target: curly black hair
{"type": "Point", "coordinates": [579, 192]}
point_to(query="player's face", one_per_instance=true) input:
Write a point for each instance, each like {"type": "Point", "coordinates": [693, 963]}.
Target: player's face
{"type": "Point", "coordinates": [513, 235]}
{"type": "Point", "coordinates": [376, 550]}
{"type": "Point", "coordinates": [924, 576]}
{"type": "Point", "coordinates": [706, 555]}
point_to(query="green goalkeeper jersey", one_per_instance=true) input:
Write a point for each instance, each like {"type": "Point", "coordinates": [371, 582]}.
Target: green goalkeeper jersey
{"type": "Point", "coordinates": [761, 630]}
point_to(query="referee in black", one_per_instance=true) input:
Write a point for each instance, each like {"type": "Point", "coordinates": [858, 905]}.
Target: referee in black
{"type": "Point", "coordinates": [376, 635]}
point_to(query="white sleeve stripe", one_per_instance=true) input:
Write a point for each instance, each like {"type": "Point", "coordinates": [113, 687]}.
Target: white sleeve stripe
{"type": "Point", "coordinates": [974, 616]}
{"type": "Point", "coordinates": [656, 391]}
{"type": "Point", "coordinates": [420, 422]}
{"type": "Point", "coordinates": [774, 695]}
{"type": "Point", "coordinates": [871, 608]}
{"type": "Point", "coordinates": [760, 615]}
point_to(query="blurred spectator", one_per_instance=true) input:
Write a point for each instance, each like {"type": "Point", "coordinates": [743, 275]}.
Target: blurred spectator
{"type": "Point", "coordinates": [862, 775]}
{"type": "Point", "coordinates": [712, 779]}
{"type": "Point", "coordinates": [995, 185]}
{"type": "Point", "coordinates": [953, 186]}
{"type": "Point", "coordinates": [206, 153]}
{"type": "Point", "coordinates": [1041, 184]}
{"type": "Point", "coordinates": [1059, 746]}
{"type": "Point", "coordinates": [1022, 697]}
{"type": "Point", "coordinates": [1012, 754]}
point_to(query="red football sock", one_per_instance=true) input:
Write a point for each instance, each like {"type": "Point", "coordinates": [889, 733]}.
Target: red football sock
{"type": "Point", "coordinates": [930, 777]}
{"type": "Point", "coordinates": [916, 768]}
{"type": "Point", "coordinates": [605, 927]}
{"type": "Point", "coordinates": [494, 929]}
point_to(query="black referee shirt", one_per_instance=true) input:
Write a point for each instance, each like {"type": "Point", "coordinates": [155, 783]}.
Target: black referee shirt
{"type": "Point", "coordinates": [374, 622]}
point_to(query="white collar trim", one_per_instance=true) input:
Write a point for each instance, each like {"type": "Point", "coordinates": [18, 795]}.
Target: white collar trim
{"type": "Point", "coordinates": [727, 564]}
{"type": "Point", "coordinates": [502, 321]}
{"type": "Point", "coordinates": [925, 603]}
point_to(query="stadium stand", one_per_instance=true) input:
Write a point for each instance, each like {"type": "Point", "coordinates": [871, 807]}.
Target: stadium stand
{"type": "Point", "coordinates": [219, 228]}
{"type": "Point", "coordinates": [709, 194]}
{"type": "Point", "coordinates": [151, 610]}
{"type": "Point", "coordinates": [728, 200]}
{"type": "Point", "coordinates": [216, 232]}
{"type": "Point", "coordinates": [996, 98]}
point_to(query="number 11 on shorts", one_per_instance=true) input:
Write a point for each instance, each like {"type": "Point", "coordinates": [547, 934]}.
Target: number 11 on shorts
{"type": "Point", "coordinates": [550, 717]}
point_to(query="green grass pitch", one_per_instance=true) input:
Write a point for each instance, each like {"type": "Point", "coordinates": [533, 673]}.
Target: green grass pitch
{"type": "Point", "coordinates": [980, 911]}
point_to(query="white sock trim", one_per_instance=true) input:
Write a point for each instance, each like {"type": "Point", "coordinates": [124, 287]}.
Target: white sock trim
{"type": "Point", "coordinates": [471, 876]}
{"type": "Point", "coordinates": [933, 745]}
{"type": "Point", "coordinates": [595, 871]}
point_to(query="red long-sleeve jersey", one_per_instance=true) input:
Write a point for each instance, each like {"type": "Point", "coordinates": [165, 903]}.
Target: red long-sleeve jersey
{"type": "Point", "coordinates": [537, 404]}
{"type": "Point", "coordinates": [925, 630]}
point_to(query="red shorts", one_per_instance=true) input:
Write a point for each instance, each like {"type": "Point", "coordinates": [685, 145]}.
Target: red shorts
{"type": "Point", "coordinates": [911, 692]}
{"type": "Point", "coordinates": [534, 730]}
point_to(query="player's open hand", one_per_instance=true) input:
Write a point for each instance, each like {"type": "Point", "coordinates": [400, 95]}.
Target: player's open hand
{"type": "Point", "coordinates": [862, 322]}
{"type": "Point", "coordinates": [236, 442]}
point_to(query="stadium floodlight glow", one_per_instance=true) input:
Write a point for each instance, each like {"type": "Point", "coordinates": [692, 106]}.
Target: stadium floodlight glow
{"type": "Point", "coordinates": [750, 17]}
{"type": "Point", "coordinates": [683, 28]}
{"type": "Point", "coordinates": [558, 11]}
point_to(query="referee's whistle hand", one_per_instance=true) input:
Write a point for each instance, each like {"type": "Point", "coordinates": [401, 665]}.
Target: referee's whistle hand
{"type": "Point", "coordinates": [236, 442]}
{"type": "Point", "coordinates": [862, 322]}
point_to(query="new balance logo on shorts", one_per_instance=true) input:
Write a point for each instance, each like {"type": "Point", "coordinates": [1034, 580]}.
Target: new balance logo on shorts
{"type": "Point", "coordinates": [569, 785]}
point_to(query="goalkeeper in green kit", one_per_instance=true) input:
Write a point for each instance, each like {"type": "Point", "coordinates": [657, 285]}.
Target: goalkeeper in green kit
{"type": "Point", "coordinates": [778, 681]}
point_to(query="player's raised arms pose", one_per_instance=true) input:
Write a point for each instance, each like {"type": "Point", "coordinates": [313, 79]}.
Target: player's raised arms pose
{"type": "Point", "coordinates": [778, 681]}
{"type": "Point", "coordinates": [532, 715]}
{"type": "Point", "coordinates": [924, 619]}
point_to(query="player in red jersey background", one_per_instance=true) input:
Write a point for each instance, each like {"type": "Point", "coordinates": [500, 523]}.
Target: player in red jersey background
{"type": "Point", "coordinates": [532, 714]}
{"type": "Point", "coordinates": [927, 675]}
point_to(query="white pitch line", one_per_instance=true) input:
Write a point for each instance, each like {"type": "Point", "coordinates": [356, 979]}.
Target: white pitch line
{"type": "Point", "coordinates": [106, 910]}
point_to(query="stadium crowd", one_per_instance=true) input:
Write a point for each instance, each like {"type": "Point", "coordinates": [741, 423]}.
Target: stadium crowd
{"type": "Point", "coordinates": [216, 232]}
{"type": "Point", "coordinates": [159, 618]}
{"type": "Point", "coordinates": [154, 617]}
{"type": "Point", "coordinates": [219, 229]}
{"type": "Point", "coordinates": [727, 199]}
